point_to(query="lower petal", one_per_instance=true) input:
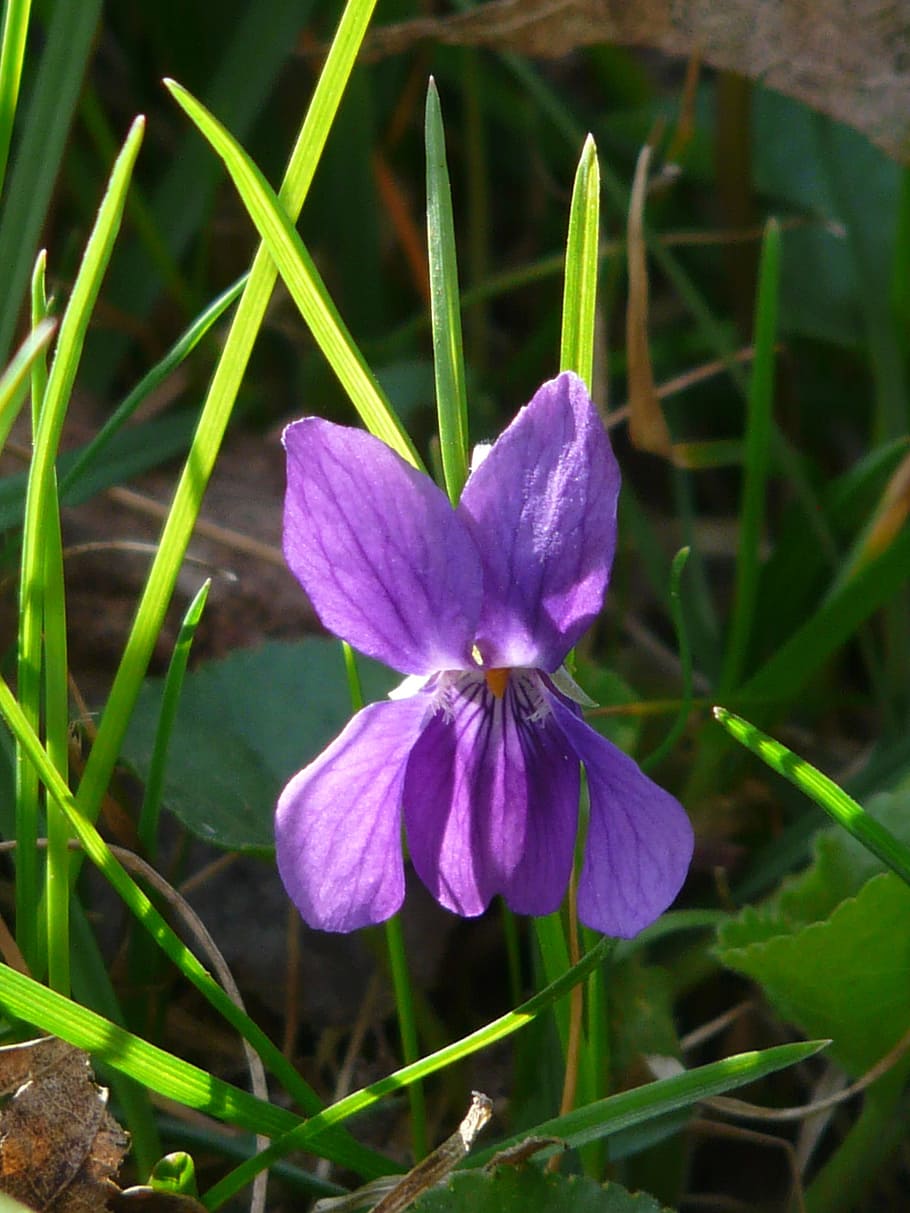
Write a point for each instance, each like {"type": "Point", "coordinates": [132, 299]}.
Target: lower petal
{"type": "Point", "coordinates": [338, 823]}
{"type": "Point", "coordinates": [639, 842]}
{"type": "Point", "coordinates": [491, 801]}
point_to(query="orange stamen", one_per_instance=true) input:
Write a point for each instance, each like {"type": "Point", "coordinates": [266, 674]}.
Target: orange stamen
{"type": "Point", "coordinates": [497, 680]}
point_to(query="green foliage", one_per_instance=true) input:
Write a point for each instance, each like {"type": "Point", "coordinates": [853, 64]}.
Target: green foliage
{"type": "Point", "coordinates": [527, 1188]}
{"type": "Point", "coordinates": [838, 977]}
{"type": "Point", "coordinates": [227, 761]}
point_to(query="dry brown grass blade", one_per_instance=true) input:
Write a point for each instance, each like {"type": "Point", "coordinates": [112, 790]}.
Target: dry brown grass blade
{"type": "Point", "coordinates": [846, 60]}
{"type": "Point", "coordinates": [647, 425]}
{"type": "Point", "coordinates": [891, 516]}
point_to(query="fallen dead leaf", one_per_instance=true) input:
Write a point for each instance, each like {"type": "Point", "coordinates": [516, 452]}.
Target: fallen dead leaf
{"type": "Point", "coordinates": [59, 1146]}
{"type": "Point", "coordinates": [851, 61]}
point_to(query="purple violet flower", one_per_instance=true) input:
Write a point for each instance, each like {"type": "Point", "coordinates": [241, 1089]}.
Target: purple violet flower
{"type": "Point", "coordinates": [478, 750]}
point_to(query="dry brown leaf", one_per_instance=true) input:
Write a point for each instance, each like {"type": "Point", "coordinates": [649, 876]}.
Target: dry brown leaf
{"type": "Point", "coordinates": [59, 1146]}
{"type": "Point", "coordinates": [846, 58]}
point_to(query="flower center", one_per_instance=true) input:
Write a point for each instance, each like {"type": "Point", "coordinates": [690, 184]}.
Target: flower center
{"type": "Point", "coordinates": [497, 680]}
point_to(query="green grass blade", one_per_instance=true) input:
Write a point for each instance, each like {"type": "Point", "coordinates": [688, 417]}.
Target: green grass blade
{"type": "Point", "coordinates": [12, 52]}
{"type": "Point", "coordinates": [40, 505]}
{"type": "Point", "coordinates": [360, 1101]}
{"type": "Point", "coordinates": [56, 682]}
{"type": "Point", "coordinates": [14, 381]}
{"type": "Point", "coordinates": [579, 303]}
{"type": "Point", "coordinates": [645, 1103]}
{"type": "Point", "coordinates": [181, 348]}
{"type": "Point", "coordinates": [445, 306]}
{"type": "Point", "coordinates": [243, 82]}
{"type": "Point", "coordinates": [824, 791]}
{"type": "Point", "coordinates": [215, 415]}
{"type": "Point", "coordinates": [685, 660]}
{"type": "Point", "coordinates": [148, 916]}
{"type": "Point", "coordinates": [70, 36]}
{"type": "Point", "coordinates": [302, 280]}
{"type": "Point", "coordinates": [831, 627]}
{"type": "Point", "coordinates": [26, 999]}
{"type": "Point", "coordinates": [170, 700]}
{"type": "Point", "coordinates": [759, 428]}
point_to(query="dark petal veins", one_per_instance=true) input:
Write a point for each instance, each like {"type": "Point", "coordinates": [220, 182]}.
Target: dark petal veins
{"type": "Point", "coordinates": [387, 563]}
{"type": "Point", "coordinates": [639, 842]}
{"type": "Point", "coordinates": [542, 508]}
{"type": "Point", "coordinates": [491, 799]}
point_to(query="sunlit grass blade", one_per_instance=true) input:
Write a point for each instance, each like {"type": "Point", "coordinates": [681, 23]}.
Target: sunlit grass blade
{"type": "Point", "coordinates": [45, 125]}
{"type": "Point", "coordinates": [56, 680]}
{"type": "Point", "coordinates": [12, 52]}
{"type": "Point", "coordinates": [148, 916]}
{"type": "Point", "coordinates": [448, 354]}
{"type": "Point", "coordinates": [642, 1104]}
{"type": "Point", "coordinates": [181, 348]}
{"type": "Point", "coordinates": [302, 280]}
{"type": "Point", "coordinates": [824, 791]}
{"type": "Point", "coordinates": [215, 414]}
{"type": "Point", "coordinates": [160, 1071]}
{"type": "Point", "coordinates": [40, 505]}
{"type": "Point", "coordinates": [367, 1097]}
{"type": "Point", "coordinates": [759, 426]}
{"type": "Point", "coordinates": [14, 381]}
{"type": "Point", "coordinates": [579, 304]}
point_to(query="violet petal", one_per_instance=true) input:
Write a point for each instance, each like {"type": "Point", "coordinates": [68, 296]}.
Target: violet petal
{"type": "Point", "coordinates": [387, 563]}
{"type": "Point", "coordinates": [338, 823]}
{"type": "Point", "coordinates": [542, 506]}
{"type": "Point", "coordinates": [639, 841]}
{"type": "Point", "coordinates": [491, 801]}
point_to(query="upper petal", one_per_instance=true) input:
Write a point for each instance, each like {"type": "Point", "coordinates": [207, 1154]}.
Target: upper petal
{"type": "Point", "coordinates": [338, 823]}
{"type": "Point", "coordinates": [542, 506]}
{"type": "Point", "coordinates": [491, 801]}
{"type": "Point", "coordinates": [387, 563]}
{"type": "Point", "coordinates": [639, 841]}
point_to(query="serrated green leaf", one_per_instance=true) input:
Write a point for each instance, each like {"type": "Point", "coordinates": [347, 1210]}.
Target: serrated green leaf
{"type": "Point", "coordinates": [243, 727]}
{"type": "Point", "coordinates": [844, 978]}
{"type": "Point", "coordinates": [530, 1190]}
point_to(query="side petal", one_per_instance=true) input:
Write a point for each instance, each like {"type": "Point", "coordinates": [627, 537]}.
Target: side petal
{"type": "Point", "coordinates": [639, 842]}
{"type": "Point", "coordinates": [542, 506]}
{"type": "Point", "coordinates": [387, 563]}
{"type": "Point", "coordinates": [491, 801]}
{"type": "Point", "coordinates": [338, 823]}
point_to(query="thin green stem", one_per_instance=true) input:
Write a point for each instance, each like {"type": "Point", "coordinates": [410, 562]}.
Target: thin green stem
{"type": "Point", "coordinates": [685, 661]}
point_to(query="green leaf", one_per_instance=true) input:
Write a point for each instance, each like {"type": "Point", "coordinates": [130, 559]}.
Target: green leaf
{"type": "Point", "coordinates": [845, 978]}
{"type": "Point", "coordinates": [243, 727]}
{"type": "Point", "coordinates": [448, 356]}
{"type": "Point", "coordinates": [532, 1191]}
{"type": "Point", "coordinates": [582, 266]}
